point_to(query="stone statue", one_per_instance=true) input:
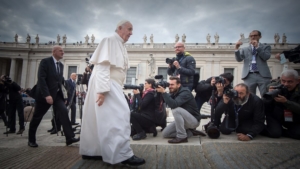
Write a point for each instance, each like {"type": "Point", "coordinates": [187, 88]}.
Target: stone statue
{"type": "Point", "coordinates": [65, 39]}
{"type": "Point", "coordinates": [183, 38]}
{"type": "Point", "coordinates": [145, 38]}
{"type": "Point", "coordinates": [28, 38]}
{"type": "Point", "coordinates": [87, 39]}
{"type": "Point", "coordinates": [216, 38]}
{"type": "Point", "coordinates": [151, 38]}
{"type": "Point", "coordinates": [16, 38]}
{"type": "Point", "coordinates": [93, 38]}
{"type": "Point", "coordinates": [242, 36]}
{"type": "Point", "coordinates": [176, 38]}
{"type": "Point", "coordinates": [276, 38]}
{"type": "Point", "coordinates": [283, 38]}
{"type": "Point", "coordinates": [208, 38]}
{"type": "Point", "coordinates": [37, 39]}
{"type": "Point", "coordinates": [58, 39]}
{"type": "Point", "coordinates": [151, 64]}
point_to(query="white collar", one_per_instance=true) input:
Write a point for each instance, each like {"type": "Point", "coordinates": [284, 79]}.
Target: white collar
{"type": "Point", "coordinates": [119, 37]}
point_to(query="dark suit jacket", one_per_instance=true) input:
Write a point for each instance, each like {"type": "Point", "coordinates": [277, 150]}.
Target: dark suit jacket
{"type": "Point", "coordinates": [49, 82]}
{"type": "Point", "coordinates": [71, 89]}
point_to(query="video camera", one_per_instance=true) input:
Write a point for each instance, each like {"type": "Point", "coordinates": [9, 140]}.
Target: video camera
{"type": "Point", "coordinates": [135, 87]}
{"type": "Point", "coordinates": [293, 55]}
{"type": "Point", "coordinates": [279, 90]}
{"type": "Point", "coordinates": [231, 93]}
{"type": "Point", "coordinates": [161, 83]}
{"type": "Point", "coordinates": [170, 61]}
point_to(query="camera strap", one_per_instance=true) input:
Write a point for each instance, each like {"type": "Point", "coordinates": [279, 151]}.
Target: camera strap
{"type": "Point", "coordinates": [236, 112]}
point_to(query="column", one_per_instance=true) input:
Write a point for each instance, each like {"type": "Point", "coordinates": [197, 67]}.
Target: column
{"type": "Point", "coordinates": [216, 68]}
{"type": "Point", "coordinates": [32, 73]}
{"type": "Point", "coordinates": [12, 69]}
{"type": "Point", "coordinates": [24, 73]}
{"type": "Point", "coordinates": [208, 69]}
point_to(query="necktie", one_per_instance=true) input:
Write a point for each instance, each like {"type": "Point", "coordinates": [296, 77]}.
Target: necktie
{"type": "Point", "coordinates": [253, 65]}
{"type": "Point", "coordinates": [57, 67]}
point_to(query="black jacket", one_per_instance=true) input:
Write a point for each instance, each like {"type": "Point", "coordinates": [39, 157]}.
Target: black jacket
{"type": "Point", "coordinates": [13, 90]}
{"type": "Point", "coordinates": [187, 70]}
{"type": "Point", "coordinates": [251, 116]}
{"type": "Point", "coordinates": [146, 105]}
{"type": "Point", "coordinates": [184, 99]}
{"type": "Point", "coordinates": [49, 82]}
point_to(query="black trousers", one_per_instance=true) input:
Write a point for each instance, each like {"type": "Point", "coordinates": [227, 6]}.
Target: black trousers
{"type": "Point", "coordinates": [140, 123]}
{"type": "Point", "coordinates": [3, 116]}
{"type": "Point", "coordinates": [73, 113]}
{"type": "Point", "coordinates": [55, 121]}
{"type": "Point", "coordinates": [41, 109]}
{"type": "Point", "coordinates": [275, 121]}
{"type": "Point", "coordinates": [12, 107]}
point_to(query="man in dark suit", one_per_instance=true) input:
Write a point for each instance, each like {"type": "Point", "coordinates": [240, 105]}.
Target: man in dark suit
{"type": "Point", "coordinates": [256, 72]}
{"type": "Point", "coordinates": [72, 95]}
{"type": "Point", "coordinates": [49, 91]}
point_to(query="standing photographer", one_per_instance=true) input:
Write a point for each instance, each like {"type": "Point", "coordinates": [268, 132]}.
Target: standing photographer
{"type": "Point", "coordinates": [3, 105]}
{"type": "Point", "coordinates": [244, 113]}
{"type": "Point", "coordinates": [15, 103]}
{"type": "Point", "coordinates": [182, 66]}
{"type": "Point", "coordinates": [283, 111]}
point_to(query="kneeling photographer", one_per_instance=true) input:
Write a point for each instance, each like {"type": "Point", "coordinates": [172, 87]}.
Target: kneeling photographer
{"type": "Point", "coordinates": [184, 110]}
{"type": "Point", "coordinates": [244, 113]}
{"type": "Point", "coordinates": [143, 119]}
{"type": "Point", "coordinates": [282, 106]}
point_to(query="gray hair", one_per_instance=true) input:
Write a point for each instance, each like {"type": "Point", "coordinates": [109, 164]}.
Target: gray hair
{"type": "Point", "coordinates": [121, 23]}
{"type": "Point", "coordinates": [290, 73]}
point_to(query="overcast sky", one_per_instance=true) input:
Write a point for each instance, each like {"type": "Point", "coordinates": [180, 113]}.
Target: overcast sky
{"type": "Point", "coordinates": [162, 18]}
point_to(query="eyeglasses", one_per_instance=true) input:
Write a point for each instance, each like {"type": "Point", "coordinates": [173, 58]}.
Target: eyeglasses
{"type": "Point", "coordinates": [178, 47]}
{"type": "Point", "coordinates": [253, 36]}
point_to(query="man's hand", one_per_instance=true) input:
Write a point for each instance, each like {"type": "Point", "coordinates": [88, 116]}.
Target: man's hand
{"type": "Point", "coordinates": [136, 91]}
{"type": "Point", "coordinates": [160, 89]}
{"type": "Point", "coordinates": [280, 99]}
{"type": "Point", "coordinates": [243, 137]}
{"type": "Point", "coordinates": [100, 99]}
{"type": "Point", "coordinates": [271, 88]}
{"type": "Point", "coordinates": [225, 99]}
{"type": "Point", "coordinates": [238, 44]}
{"type": "Point", "coordinates": [254, 43]}
{"type": "Point", "coordinates": [176, 64]}
{"type": "Point", "coordinates": [220, 88]}
{"type": "Point", "coordinates": [277, 56]}
{"type": "Point", "coordinates": [49, 100]}
{"type": "Point", "coordinates": [213, 81]}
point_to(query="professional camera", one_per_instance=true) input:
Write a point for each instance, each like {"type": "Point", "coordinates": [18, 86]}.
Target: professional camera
{"type": "Point", "coordinates": [7, 79]}
{"type": "Point", "coordinates": [231, 93]}
{"type": "Point", "coordinates": [212, 130]}
{"type": "Point", "coordinates": [161, 83]}
{"type": "Point", "coordinates": [278, 90]}
{"type": "Point", "coordinates": [293, 55]}
{"type": "Point", "coordinates": [170, 61]}
{"type": "Point", "coordinates": [135, 87]}
{"type": "Point", "coordinates": [219, 79]}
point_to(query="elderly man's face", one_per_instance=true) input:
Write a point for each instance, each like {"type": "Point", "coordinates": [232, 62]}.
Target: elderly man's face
{"type": "Point", "coordinates": [58, 53]}
{"type": "Point", "coordinates": [254, 36]}
{"type": "Point", "coordinates": [289, 82]}
{"type": "Point", "coordinates": [125, 31]}
{"type": "Point", "coordinates": [73, 76]}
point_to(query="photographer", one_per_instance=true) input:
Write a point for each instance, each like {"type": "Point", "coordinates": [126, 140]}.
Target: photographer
{"type": "Point", "coordinates": [143, 119]}
{"type": "Point", "coordinates": [3, 105]}
{"type": "Point", "coordinates": [283, 111]}
{"type": "Point", "coordinates": [15, 102]}
{"type": "Point", "coordinates": [244, 113]}
{"type": "Point", "coordinates": [205, 87]}
{"type": "Point", "coordinates": [182, 66]}
{"type": "Point", "coordinates": [184, 110]}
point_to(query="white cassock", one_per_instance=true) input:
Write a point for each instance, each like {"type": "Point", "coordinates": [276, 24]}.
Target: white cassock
{"type": "Point", "coordinates": [105, 129]}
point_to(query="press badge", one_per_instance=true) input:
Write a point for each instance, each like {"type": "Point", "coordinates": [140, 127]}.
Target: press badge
{"type": "Point", "coordinates": [288, 116]}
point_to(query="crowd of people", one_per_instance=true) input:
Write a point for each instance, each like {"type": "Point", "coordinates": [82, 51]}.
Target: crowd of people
{"type": "Point", "coordinates": [109, 120]}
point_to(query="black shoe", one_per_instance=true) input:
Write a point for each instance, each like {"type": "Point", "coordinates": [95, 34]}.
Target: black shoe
{"type": "Point", "coordinates": [54, 131]}
{"type": "Point", "coordinates": [50, 130]}
{"type": "Point", "coordinates": [72, 140]}
{"type": "Point", "coordinates": [134, 161]}
{"type": "Point", "coordinates": [85, 157]}
{"type": "Point", "coordinates": [9, 132]}
{"type": "Point", "coordinates": [21, 131]}
{"type": "Point", "coordinates": [74, 123]}
{"type": "Point", "coordinates": [32, 144]}
{"type": "Point", "coordinates": [139, 136]}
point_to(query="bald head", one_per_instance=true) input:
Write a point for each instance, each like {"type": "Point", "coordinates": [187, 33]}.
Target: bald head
{"type": "Point", "coordinates": [124, 29]}
{"type": "Point", "coordinates": [179, 47]}
{"type": "Point", "coordinates": [57, 52]}
{"type": "Point", "coordinates": [73, 76]}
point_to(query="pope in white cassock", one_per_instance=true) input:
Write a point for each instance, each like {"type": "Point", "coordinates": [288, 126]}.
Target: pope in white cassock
{"type": "Point", "coordinates": [105, 130]}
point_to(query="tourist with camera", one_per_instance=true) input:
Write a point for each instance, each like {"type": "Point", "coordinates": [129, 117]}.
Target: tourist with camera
{"type": "Point", "coordinates": [182, 66]}
{"type": "Point", "coordinates": [184, 110]}
{"type": "Point", "coordinates": [15, 103]}
{"type": "Point", "coordinates": [204, 88]}
{"type": "Point", "coordinates": [282, 106]}
{"type": "Point", "coordinates": [143, 119]}
{"type": "Point", "coordinates": [244, 113]}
